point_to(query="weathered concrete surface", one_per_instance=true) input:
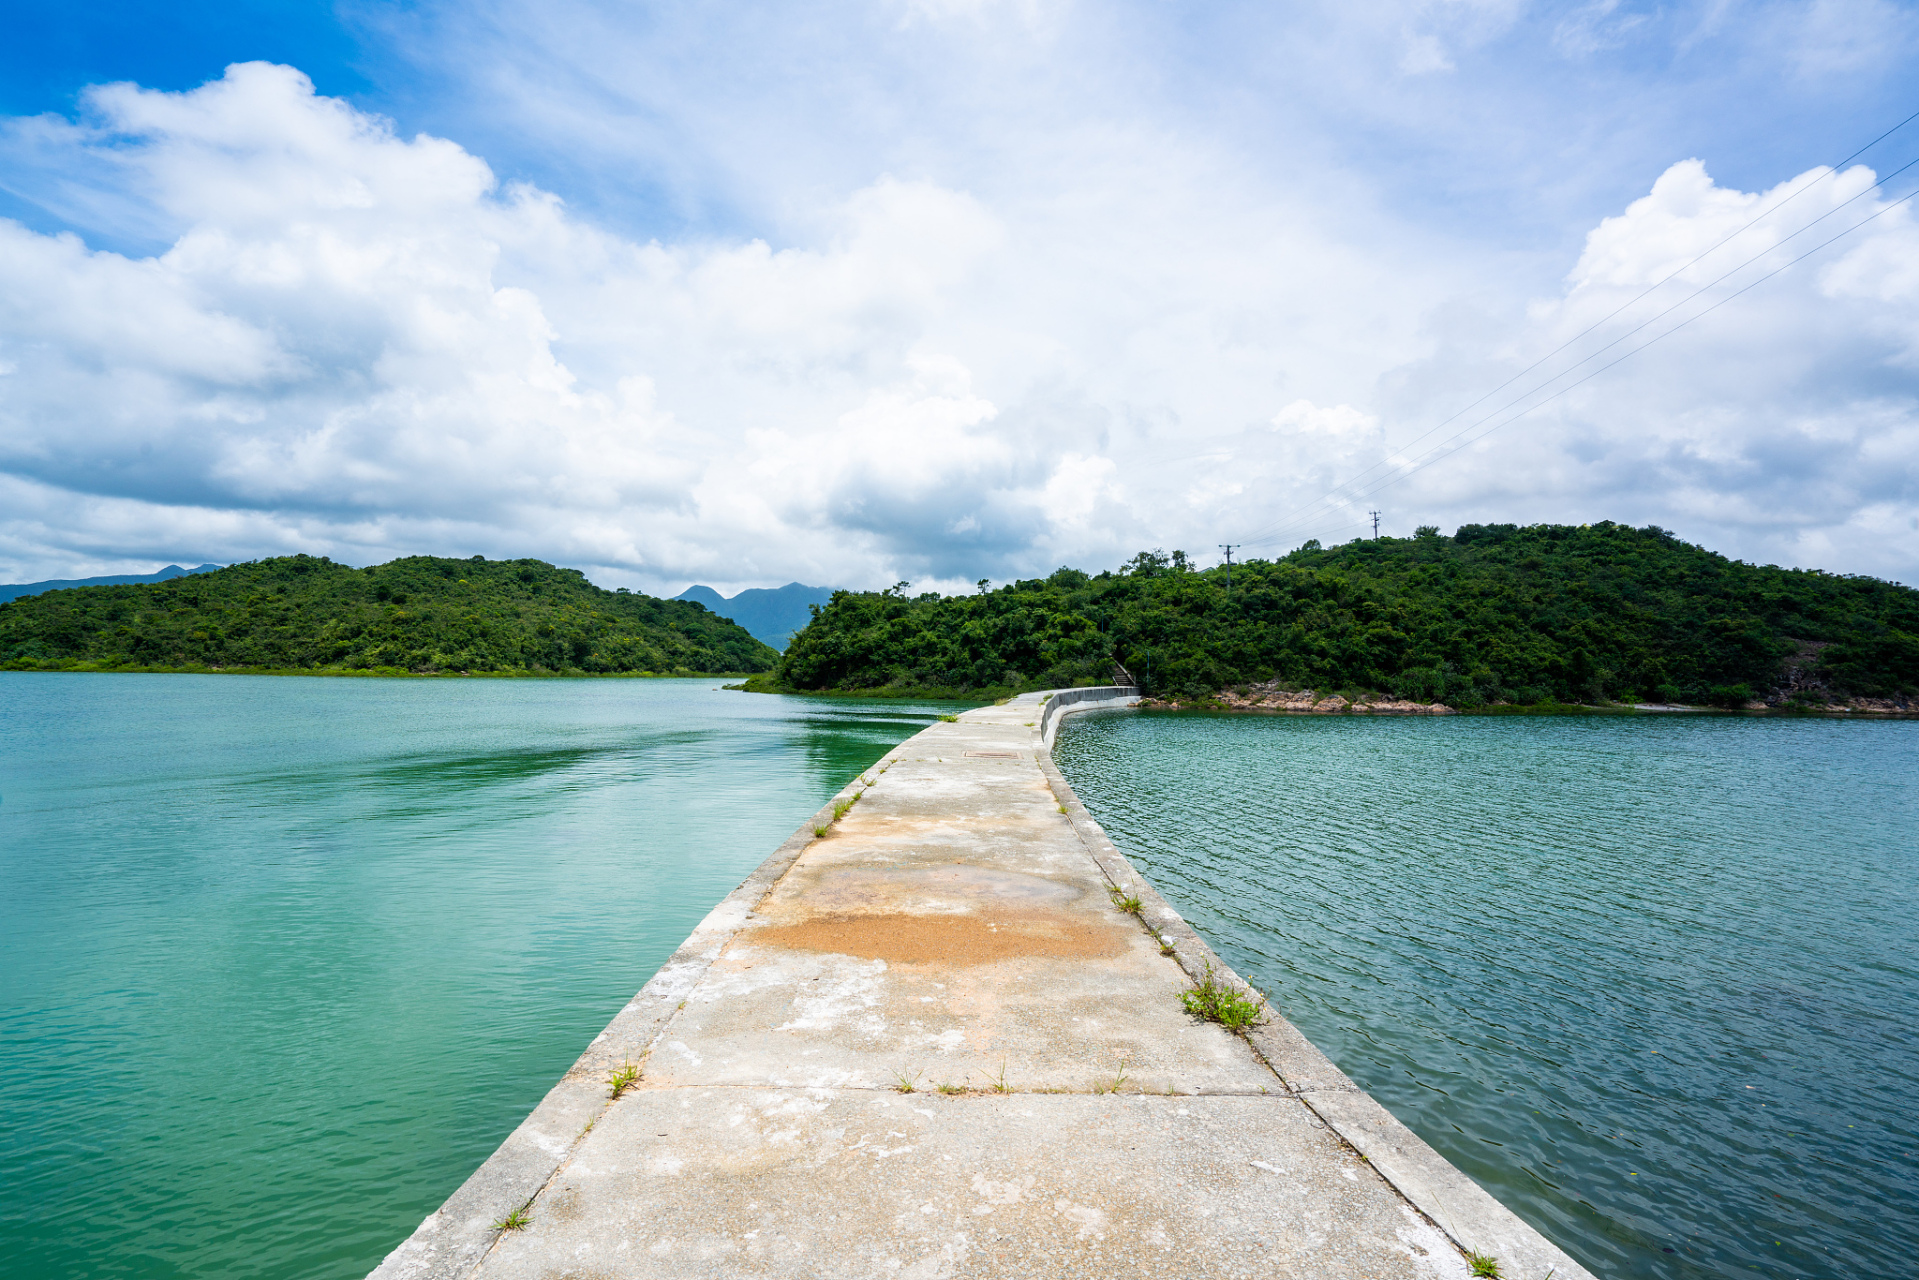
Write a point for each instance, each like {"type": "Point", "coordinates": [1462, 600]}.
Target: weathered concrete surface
{"type": "Point", "coordinates": [783, 1182]}
{"type": "Point", "coordinates": [955, 931]}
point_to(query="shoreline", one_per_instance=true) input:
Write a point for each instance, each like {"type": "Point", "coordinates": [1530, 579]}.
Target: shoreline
{"type": "Point", "coordinates": [1211, 707]}
{"type": "Point", "coordinates": [1272, 701]}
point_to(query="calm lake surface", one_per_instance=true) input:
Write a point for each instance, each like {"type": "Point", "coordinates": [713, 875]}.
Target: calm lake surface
{"type": "Point", "coordinates": [1654, 982]}
{"type": "Point", "coordinates": [282, 960]}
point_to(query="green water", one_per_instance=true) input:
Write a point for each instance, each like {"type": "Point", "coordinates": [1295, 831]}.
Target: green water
{"type": "Point", "coordinates": [1654, 982]}
{"type": "Point", "coordinates": [282, 960]}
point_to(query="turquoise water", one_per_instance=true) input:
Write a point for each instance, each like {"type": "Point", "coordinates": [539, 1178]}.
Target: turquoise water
{"type": "Point", "coordinates": [282, 960]}
{"type": "Point", "coordinates": [1654, 982]}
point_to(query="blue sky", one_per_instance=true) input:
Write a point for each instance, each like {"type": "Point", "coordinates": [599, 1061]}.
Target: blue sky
{"type": "Point", "coordinates": [937, 289]}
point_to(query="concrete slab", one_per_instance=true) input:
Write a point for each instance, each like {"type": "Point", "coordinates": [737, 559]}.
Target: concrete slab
{"type": "Point", "coordinates": [952, 928]}
{"type": "Point", "coordinates": [928, 1043]}
{"type": "Point", "coordinates": [829, 1183]}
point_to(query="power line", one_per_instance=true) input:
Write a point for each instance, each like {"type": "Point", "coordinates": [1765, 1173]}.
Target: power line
{"type": "Point", "coordinates": [1827, 172]}
{"type": "Point", "coordinates": [1437, 452]}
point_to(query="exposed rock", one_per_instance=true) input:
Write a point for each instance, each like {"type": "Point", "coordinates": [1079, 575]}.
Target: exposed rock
{"type": "Point", "coordinates": [1884, 706]}
{"type": "Point", "coordinates": [1269, 696]}
{"type": "Point", "coordinates": [1401, 707]}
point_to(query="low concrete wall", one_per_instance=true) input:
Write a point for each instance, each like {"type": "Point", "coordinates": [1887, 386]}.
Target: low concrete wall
{"type": "Point", "coordinates": [1060, 703]}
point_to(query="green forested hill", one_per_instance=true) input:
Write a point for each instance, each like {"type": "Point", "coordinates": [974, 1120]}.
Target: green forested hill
{"type": "Point", "coordinates": [421, 613]}
{"type": "Point", "coordinates": [1494, 613]}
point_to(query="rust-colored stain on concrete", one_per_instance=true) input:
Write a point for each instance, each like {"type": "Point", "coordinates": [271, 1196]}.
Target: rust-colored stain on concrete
{"type": "Point", "coordinates": [901, 938]}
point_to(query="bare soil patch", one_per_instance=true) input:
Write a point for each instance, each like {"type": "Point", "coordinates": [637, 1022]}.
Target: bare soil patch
{"type": "Point", "coordinates": [900, 938]}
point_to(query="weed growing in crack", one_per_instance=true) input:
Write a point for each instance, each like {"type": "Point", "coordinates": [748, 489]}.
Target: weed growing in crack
{"type": "Point", "coordinates": [1132, 906]}
{"type": "Point", "coordinates": [998, 1083]}
{"type": "Point", "coordinates": [819, 833]}
{"type": "Point", "coordinates": [518, 1220]}
{"type": "Point", "coordinates": [1221, 1002]}
{"type": "Point", "coordinates": [622, 1080]}
{"type": "Point", "coordinates": [950, 1088]}
{"type": "Point", "coordinates": [904, 1083]}
{"type": "Point", "coordinates": [1483, 1264]}
{"type": "Point", "coordinates": [842, 807]}
{"type": "Point", "coordinates": [950, 719]}
{"type": "Point", "coordinates": [1113, 1085]}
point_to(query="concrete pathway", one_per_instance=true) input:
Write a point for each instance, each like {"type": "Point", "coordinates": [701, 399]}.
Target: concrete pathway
{"type": "Point", "coordinates": [929, 1044]}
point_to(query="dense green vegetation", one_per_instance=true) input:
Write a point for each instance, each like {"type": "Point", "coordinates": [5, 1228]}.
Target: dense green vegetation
{"type": "Point", "coordinates": [420, 614]}
{"type": "Point", "coordinates": [1495, 613]}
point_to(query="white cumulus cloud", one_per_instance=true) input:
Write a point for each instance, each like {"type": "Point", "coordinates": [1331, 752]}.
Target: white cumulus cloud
{"type": "Point", "coordinates": [1108, 333]}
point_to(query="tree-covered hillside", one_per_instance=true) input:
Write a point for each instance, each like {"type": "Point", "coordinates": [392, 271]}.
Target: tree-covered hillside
{"type": "Point", "coordinates": [421, 614]}
{"type": "Point", "coordinates": [1494, 613]}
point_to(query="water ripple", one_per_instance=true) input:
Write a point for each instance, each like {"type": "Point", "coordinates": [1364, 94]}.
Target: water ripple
{"type": "Point", "coordinates": [1650, 981]}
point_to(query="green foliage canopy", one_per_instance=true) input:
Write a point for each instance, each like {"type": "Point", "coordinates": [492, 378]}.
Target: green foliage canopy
{"type": "Point", "coordinates": [421, 614]}
{"type": "Point", "coordinates": [1545, 613]}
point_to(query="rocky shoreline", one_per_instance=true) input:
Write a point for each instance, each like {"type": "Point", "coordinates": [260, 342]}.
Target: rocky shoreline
{"type": "Point", "coordinates": [1270, 697]}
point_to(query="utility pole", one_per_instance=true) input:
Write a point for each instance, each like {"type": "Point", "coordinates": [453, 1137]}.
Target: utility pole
{"type": "Point", "coordinates": [1227, 547]}
{"type": "Point", "coordinates": [1375, 516]}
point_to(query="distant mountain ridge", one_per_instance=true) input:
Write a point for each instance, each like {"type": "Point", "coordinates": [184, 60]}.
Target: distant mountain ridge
{"type": "Point", "coordinates": [14, 590]}
{"type": "Point", "coordinates": [770, 614]}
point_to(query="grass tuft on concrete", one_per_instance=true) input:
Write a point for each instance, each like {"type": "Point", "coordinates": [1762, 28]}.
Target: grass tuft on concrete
{"type": "Point", "coordinates": [518, 1220]}
{"type": "Point", "coordinates": [618, 1082]}
{"type": "Point", "coordinates": [1483, 1265]}
{"type": "Point", "coordinates": [1113, 1085]}
{"type": "Point", "coordinates": [1221, 1002]}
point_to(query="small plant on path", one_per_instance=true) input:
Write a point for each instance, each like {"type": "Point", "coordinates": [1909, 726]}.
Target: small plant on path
{"type": "Point", "coordinates": [950, 719]}
{"type": "Point", "coordinates": [518, 1220]}
{"type": "Point", "coordinates": [1132, 906]}
{"type": "Point", "coordinates": [951, 1088]}
{"type": "Point", "coordinates": [1483, 1264]}
{"type": "Point", "coordinates": [1221, 1002]}
{"type": "Point", "coordinates": [622, 1080]}
{"type": "Point", "coordinates": [998, 1083]}
{"type": "Point", "coordinates": [904, 1083]}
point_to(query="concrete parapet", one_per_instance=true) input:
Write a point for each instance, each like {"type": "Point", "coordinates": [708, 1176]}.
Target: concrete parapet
{"type": "Point", "coordinates": [1057, 704]}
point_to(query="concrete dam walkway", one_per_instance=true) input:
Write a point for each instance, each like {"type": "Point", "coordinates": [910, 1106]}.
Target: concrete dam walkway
{"type": "Point", "coordinates": [933, 1041]}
